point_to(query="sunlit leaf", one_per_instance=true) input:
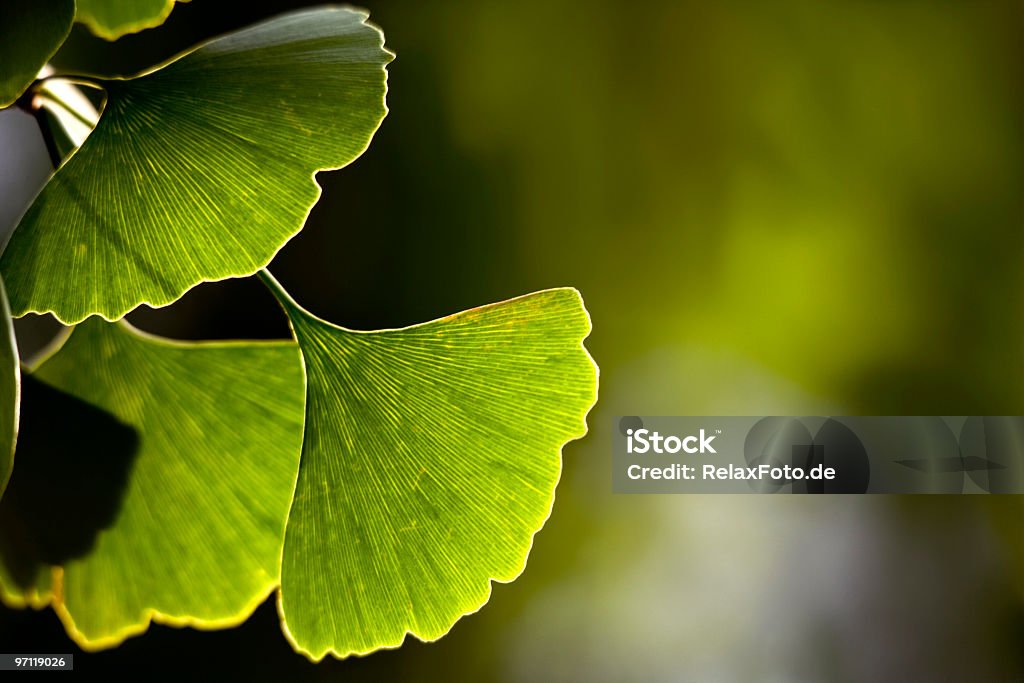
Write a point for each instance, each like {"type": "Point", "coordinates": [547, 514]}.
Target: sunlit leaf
{"type": "Point", "coordinates": [430, 459]}
{"type": "Point", "coordinates": [32, 32]}
{"type": "Point", "coordinates": [112, 19]}
{"type": "Point", "coordinates": [153, 479]}
{"type": "Point", "coordinates": [202, 169]}
{"type": "Point", "coordinates": [10, 384]}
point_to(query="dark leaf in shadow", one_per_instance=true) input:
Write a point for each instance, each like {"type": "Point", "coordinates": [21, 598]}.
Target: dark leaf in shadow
{"type": "Point", "coordinates": [71, 468]}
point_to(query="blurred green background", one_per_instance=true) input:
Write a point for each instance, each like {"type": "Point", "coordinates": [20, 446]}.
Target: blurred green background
{"type": "Point", "coordinates": [770, 208]}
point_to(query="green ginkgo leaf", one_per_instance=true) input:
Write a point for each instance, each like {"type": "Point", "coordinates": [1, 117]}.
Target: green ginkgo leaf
{"type": "Point", "coordinates": [202, 169]}
{"type": "Point", "coordinates": [32, 33]}
{"type": "Point", "coordinates": [430, 459]}
{"type": "Point", "coordinates": [153, 480]}
{"type": "Point", "coordinates": [111, 19]}
{"type": "Point", "coordinates": [10, 391]}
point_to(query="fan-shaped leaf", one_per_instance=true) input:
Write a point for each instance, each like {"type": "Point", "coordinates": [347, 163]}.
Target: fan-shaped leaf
{"type": "Point", "coordinates": [32, 33]}
{"type": "Point", "coordinates": [157, 483]}
{"type": "Point", "coordinates": [111, 19]}
{"type": "Point", "coordinates": [430, 459]}
{"type": "Point", "coordinates": [200, 170]}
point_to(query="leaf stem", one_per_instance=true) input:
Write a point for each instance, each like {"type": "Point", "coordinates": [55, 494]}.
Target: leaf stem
{"type": "Point", "coordinates": [29, 103]}
{"type": "Point", "coordinates": [280, 293]}
{"type": "Point", "coordinates": [49, 137]}
{"type": "Point", "coordinates": [79, 116]}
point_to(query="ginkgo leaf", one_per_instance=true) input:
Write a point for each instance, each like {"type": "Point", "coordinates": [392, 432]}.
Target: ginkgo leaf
{"type": "Point", "coordinates": [111, 19]}
{"type": "Point", "coordinates": [153, 480]}
{"type": "Point", "coordinates": [430, 459]}
{"type": "Point", "coordinates": [10, 390]}
{"type": "Point", "coordinates": [200, 170]}
{"type": "Point", "coordinates": [32, 33]}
